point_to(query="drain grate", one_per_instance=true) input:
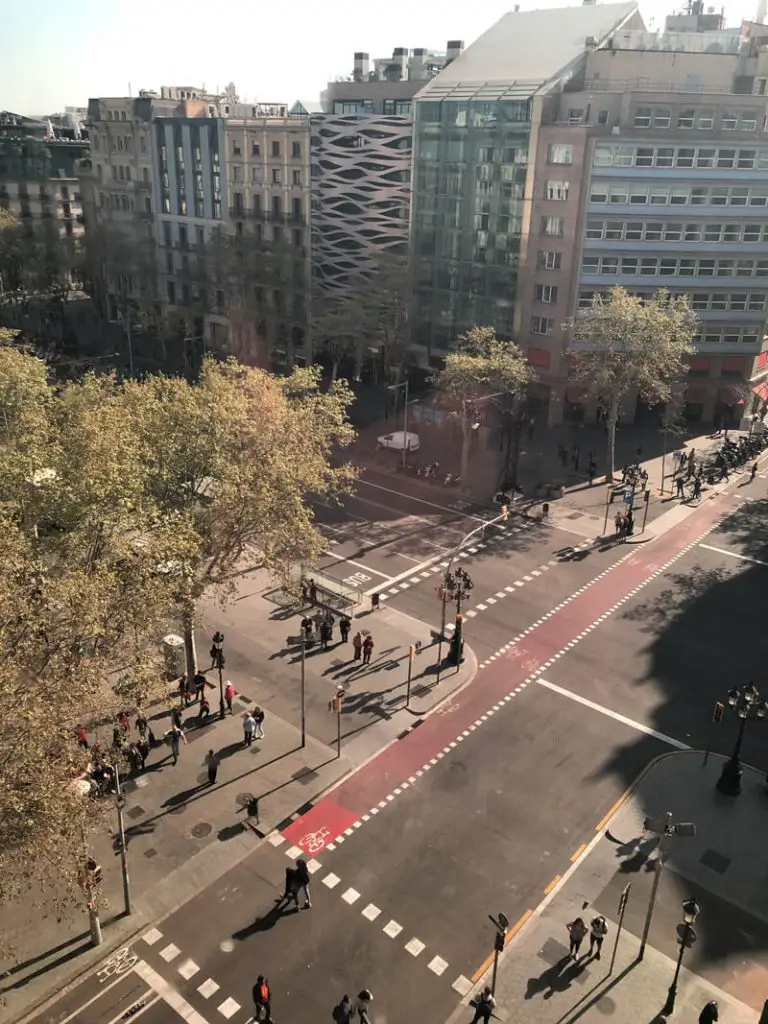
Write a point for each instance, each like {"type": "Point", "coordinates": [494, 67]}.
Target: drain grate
{"type": "Point", "coordinates": [150, 853]}
{"type": "Point", "coordinates": [716, 861]}
{"type": "Point", "coordinates": [201, 830]}
{"type": "Point", "coordinates": [135, 812]}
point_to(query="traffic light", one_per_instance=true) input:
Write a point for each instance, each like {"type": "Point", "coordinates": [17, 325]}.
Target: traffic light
{"type": "Point", "coordinates": [717, 711]}
{"type": "Point", "coordinates": [498, 944]}
{"type": "Point", "coordinates": [504, 513]}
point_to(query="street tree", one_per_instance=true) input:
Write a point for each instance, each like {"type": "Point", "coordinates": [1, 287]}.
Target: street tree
{"type": "Point", "coordinates": [338, 332]}
{"type": "Point", "coordinates": [232, 461]}
{"type": "Point", "coordinates": [82, 606]}
{"type": "Point", "coordinates": [624, 344]}
{"type": "Point", "coordinates": [481, 367]}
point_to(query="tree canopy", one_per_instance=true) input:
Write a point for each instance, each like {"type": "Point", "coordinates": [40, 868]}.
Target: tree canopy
{"type": "Point", "coordinates": [481, 367]}
{"type": "Point", "coordinates": [624, 344]}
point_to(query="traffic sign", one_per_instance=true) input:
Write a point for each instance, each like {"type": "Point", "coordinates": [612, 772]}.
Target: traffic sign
{"type": "Point", "coordinates": [628, 497]}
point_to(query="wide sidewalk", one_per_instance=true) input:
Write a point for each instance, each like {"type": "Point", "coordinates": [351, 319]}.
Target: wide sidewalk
{"type": "Point", "coordinates": [722, 866]}
{"type": "Point", "coordinates": [181, 834]}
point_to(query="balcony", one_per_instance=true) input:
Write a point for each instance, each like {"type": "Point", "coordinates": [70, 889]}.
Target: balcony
{"type": "Point", "coordinates": [264, 215]}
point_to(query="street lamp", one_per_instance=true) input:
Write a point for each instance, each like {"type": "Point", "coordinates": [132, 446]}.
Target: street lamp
{"type": "Point", "coordinates": [686, 936]}
{"type": "Point", "coordinates": [747, 704]}
{"type": "Point", "coordinates": [459, 585]}
{"type": "Point", "coordinates": [396, 387]}
{"type": "Point", "coordinates": [218, 661]}
{"type": "Point", "coordinates": [667, 830]}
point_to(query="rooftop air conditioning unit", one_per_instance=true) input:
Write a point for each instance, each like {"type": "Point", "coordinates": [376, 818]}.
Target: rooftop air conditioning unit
{"type": "Point", "coordinates": [616, 130]}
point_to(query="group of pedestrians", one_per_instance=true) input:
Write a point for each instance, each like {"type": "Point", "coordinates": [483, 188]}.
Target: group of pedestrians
{"type": "Point", "coordinates": [577, 932]}
{"type": "Point", "coordinates": [574, 457]}
{"type": "Point", "coordinates": [253, 726]}
{"type": "Point", "coordinates": [322, 623]}
{"type": "Point", "coordinates": [624, 523]}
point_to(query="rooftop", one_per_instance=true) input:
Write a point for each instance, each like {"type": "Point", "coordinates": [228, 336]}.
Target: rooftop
{"type": "Point", "coordinates": [524, 49]}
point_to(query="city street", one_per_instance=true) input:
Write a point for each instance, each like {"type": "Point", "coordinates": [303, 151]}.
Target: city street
{"type": "Point", "coordinates": [486, 804]}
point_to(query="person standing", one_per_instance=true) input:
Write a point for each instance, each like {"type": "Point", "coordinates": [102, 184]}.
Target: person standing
{"type": "Point", "coordinates": [211, 762]}
{"type": "Point", "coordinates": [312, 592]}
{"type": "Point", "coordinates": [176, 737]}
{"type": "Point", "coordinates": [325, 635]}
{"type": "Point", "coordinates": [710, 1013]}
{"type": "Point", "coordinates": [344, 627]}
{"type": "Point", "coordinates": [249, 728]}
{"type": "Point", "coordinates": [364, 1000]}
{"type": "Point", "coordinates": [142, 725]}
{"type": "Point", "coordinates": [679, 483]}
{"type": "Point", "coordinates": [307, 626]}
{"type": "Point", "coordinates": [575, 453]}
{"type": "Point", "coordinates": [697, 487]}
{"type": "Point", "coordinates": [229, 695]}
{"type": "Point", "coordinates": [367, 649]}
{"type": "Point", "coordinates": [357, 644]}
{"type": "Point", "coordinates": [343, 1012]}
{"type": "Point", "coordinates": [258, 718]}
{"type": "Point", "coordinates": [485, 1004]}
{"type": "Point", "coordinates": [142, 745]}
{"type": "Point", "coordinates": [598, 929]}
{"type": "Point", "coordinates": [262, 999]}
{"type": "Point", "coordinates": [576, 931]}
{"type": "Point", "coordinates": [618, 521]}
{"type": "Point", "coordinates": [591, 468]}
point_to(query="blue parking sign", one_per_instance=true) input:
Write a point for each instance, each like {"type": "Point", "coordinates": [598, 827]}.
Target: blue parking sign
{"type": "Point", "coordinates": [629, 497]}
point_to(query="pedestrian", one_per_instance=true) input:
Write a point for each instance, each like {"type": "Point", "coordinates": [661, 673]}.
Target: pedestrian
{"type": "Point", "coordinates": [753, 472]}
{"type": "Point", "coordinates": [364, 1000]}
{"type": "Point", "coordinates": [142, 745]}
{"type": "Point", "coordinates": [325, 635]}
{"type": "Point", "coordinates": [328, 617]}
{"type": "Point", "coordinates": [679, 481]}
{"type": "Point", "coordinates": [124, 722]}
{"type": "Point", "coordinates": [367, 649]}
{"type": "Point", "coordinates": [598, 929]}
{"type": "Point", "coordinates": [301, 879]}
{"type": "Point", "coordinates": [343, 1012]}
{"type": "Point", "coordinates": [211, 762]}
{"type": "Point", "coordinates": [531, 426]}
{"type": "Point", "coordinates": [205, 708]}
{"type": "Point", "coordinates": [175, 736]}
{"type": "Point", "coordinates": [630, 522]}
{"type": "Point", "coordinates": [697, 487]}
{"type": "Point", "coordinates": [618, 522]}
{"type": "Point", "coordinates": [117, 738]}
{"type": "Point", "coordinates": [691, 467]}
{"type": "Point", "coordinates": [199, 683]}
{"type": "Point", "coordinates": [182, 687]}
{"type": "Point", "coordinates": [591, 469]}
{"type": "Point", "coordinates": [576, 930]}
{"type": "Point", "coordinates": [312, 592]}
{"type": "Point", "coordinates": [575, 453]}
{"type": "Point", "coordinates": [176, 718]}
{"type": "Point", "coordinates": [357, 644]}
{"type": "Point", "coordinates": [142, 725]}
{"type": "Point", "coordinates": [82, 737]}
{"type": "Point", "coordinates": [304, 591]}
{"type": "Point", "coordinates": [249, 728]}
{"type": "Point", "coordinates": [229, 695]}
{"type": "Point", "coordinates": [484, 1005]}
{"type": "Point", "coordinates": [258, 717]}
{"type": "Point", "coordinates": [344, 627]}
{"type": "Point", "coordinates": [710, 1013]}
{"type": "Point", "coordinates": [135, 759]}
{"type": "Point", "coordinates": [262, 999]}
{"type": "Point", "coordinates": [562, 454]}
{"type": "Point", "coordinates": [375, 602]}
{"type": "Point", "coordinates": [307, 626]}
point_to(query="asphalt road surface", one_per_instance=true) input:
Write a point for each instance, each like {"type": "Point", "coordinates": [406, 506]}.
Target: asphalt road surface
{"type": "Point", "coordinates": [599, 664]}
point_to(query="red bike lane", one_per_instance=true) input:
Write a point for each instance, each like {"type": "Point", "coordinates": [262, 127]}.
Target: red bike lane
{"type": "Point", "coordinates": [373, 782]}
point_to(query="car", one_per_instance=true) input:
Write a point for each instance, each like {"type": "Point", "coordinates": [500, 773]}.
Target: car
{"type": "Point", "coordinates": [400, 440]}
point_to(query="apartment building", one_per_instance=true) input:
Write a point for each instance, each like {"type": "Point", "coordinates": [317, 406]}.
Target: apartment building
{"type": "Point", "coordinates": [584, 173]}
{"type": "Point", "coordinates": [39, 167]}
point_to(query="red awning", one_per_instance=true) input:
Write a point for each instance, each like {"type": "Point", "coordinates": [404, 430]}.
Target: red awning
{"type": "Point", "coordinates": [575, 395]}
{"type": "Point", "coordinates": [730, 396]}
{"type": "Point", "coordinates": [699, 363]}
{"type": "Point", "coordinates": [696, 396]}
{"type": "Point", "coordinates": [762, 391]}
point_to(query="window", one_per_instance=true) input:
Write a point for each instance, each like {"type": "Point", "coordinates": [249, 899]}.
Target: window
{"type": "Point", "coordinates": [599, 194]}
{"type": "Point", "coordinates": [277, 176]}
{"type": "Point", "coordinates": [237, 172]}
{"type": "Point", "coordinates": [746, 159]}
{"type": "Point", "coordinates": [653, 231]}
{"type": "Point", "coordinates": [731, 233]}
{"type": "Point", "coordinates": [648, 266]}
{"type": "Point", "coordinates": [634, 231]}
{"type": "Point", "coordinates": [738, 302]}
{"type": "Point", "coordinates": [236, 150]}
{"type": "Point", "coordinates": [557, 153]}
{"type": "Point", "coordinates": [668, 266]}
{"type": "Point", "coordinates": [728, 120]}
{"type": "Point", "coordinates": [619, 195]}
{"type": "Point", "coordinates": [748, 121]}
{"type": "Point", "coordinates": [665, 157]}
{"type": "Point", "coordinates": [678, 196]}
{"type": "Point", "coordinates": [643, 117]}
{"type": "Point", "coordinates": [275, 148]}
{"type": "Point", "coordinates": [726, 157]}
{"type": "Point", "coordinates": [692, 233]}
{"type": "Point", "coordinates": [296, 178]}
{"type": "Point", "coordinates": [705, 119]}
{"type": "Point", "coordinates": [552, 226]}
{"type": "Point", "coordinates": [590, 264]}
{"type": "Point", "coordinates": [548, 260]}
{"type": "Point", "coordinates": [602, 117]}
{"type": "Point", "coordinates": [629, 265]}
{"type": "Point", "coordinates": [255, 149]}
{"type": "Point", "coordinates": [277, 206]}
{"type": "Point", "coordinates": [256, 175]}
{"type": "Point", "coordinates": [685, 118]}
{"type": "Point", "coordinates": [706, 268]}
{"type": "Point", "coordinates": [705, 157]}
{"type": "Point", "coordinates": [542, 325]}
{"type": "Point", "coordinates": [687, 268]}
{"type": "Point", "coordinates": [120, 143]}
{"type": "Point", "coordinates": [685, 157]}
{"type": "Point", "coordinates": [277, 233]}
{"type": "Point", "coordinates": [145, 174]}
{"type": "Point", "coordinates": [296, 211]}
{"type": "Point", "coordinates": [545, 293]}
{"type": "Point", "coordinates": [662, 117]}
{"type": "Point", "coordinates": [171, 291]}
{"type": "Point", "coordinates": [296, 150]}
{"type": "Point", "coordinates": [609, 265]}
{"type": "Point", "coordinates": [739, 197]}
{"type": "Point", "coordinates": [638, 195]}
{"type": "Point", "coordinates": [297, 237]}
{"type": "Point", "coordinates": [658, 195]}
{"type": "Point", "coordinates": [644, 157]}
{"type": "Point", "coordinates": [718, 301]}
{"type": "Point", "coordinates": [594, 229]}
{"type": "Point", "coordinates": [700, 301]}
{"type": "Point", "coordinates": [257, 204]}
{"type": "Point", "coordinates": [556, 190]}
{"type": "Point", "coordinates": [142, 144]}
{"type": "Point", "coordinates": [614, 230]}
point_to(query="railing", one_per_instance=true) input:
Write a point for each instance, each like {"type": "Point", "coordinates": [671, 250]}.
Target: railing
{"type": "Point", "coordinates": [267, 215]}
{"type": "Point", "coordinates": [648, 85]}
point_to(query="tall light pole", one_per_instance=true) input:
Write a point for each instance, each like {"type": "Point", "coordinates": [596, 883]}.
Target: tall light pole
{"type": "Point", "coordinates": [686, 936]}
{"type": "Point", "coordinates": [396, 387]}
{"type": "Point", "coordinates": [218, 661]}
{"type": "Point", "coordinates": [746, 702]}
{"type": "Point", "coordinates": [119, 804]}
{"type": "Point", "coordinates": [665, 828]}
{"type": "Point", "coordinates": [302, 640]}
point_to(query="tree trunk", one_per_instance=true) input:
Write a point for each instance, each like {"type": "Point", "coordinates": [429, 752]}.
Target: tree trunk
{"type": "Point", "coordinates": [613, 415]}
{"type": "Point", "coordinates": [466, 441]}
{"type": "Point", "coordinates": [190, 651]}
{"type": "Point", "coordinates": [334, 371]}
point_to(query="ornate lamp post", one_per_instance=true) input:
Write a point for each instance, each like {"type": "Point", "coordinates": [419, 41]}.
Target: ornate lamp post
{"type": "Point", "coordinates": [686, 936]}
{"type": "Point", "coordinates": [458, 585]}
{"type": "Point", "coordinates": [747, 704]}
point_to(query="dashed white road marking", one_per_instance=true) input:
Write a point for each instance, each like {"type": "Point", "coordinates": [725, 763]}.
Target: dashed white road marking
{"type": "Point", "coordinates": [462, 985]}
{"type": "Point", "coordinates": [277, 839]}
{"type": "Point", "coordinates": [169, 953]}
{"type": "Point", "coordinates": [350, 896]}
{"type": "Point", "coordinates": [437, 965]}
{"type": "Point", "coordinates": [152, 936]}
{"type": "Point", "coordinates": [293, 852]}
{"type": "Point", "coordinates": [415, 947]}
{"type": "Point", "coordinates": [371, 912]}
{"type": "Point", "coordinates": [392, 929]}
{"type": "Point", "coordinates": [331, 880]}
{"type": "Point", "coordinates": [208, 988]}
{"type": "Point", "coordinates": [188, 969]}
{"type": "Point", "coordinates": [229, 1008]}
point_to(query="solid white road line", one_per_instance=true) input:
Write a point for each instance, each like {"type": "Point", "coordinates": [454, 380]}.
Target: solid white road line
{"type": "Point", "coordinates": [174, 999]}
{"type": "Point", "coordinates": [421, 501]}
{"type": "Point", "coordinates": [732, 554]}
{"type": "Point", "coordinates": [358, 565]}
{"type": "Point", "coordinates": [637, 726]}
{"type": "Point", "coordinates": [147, 998]}
{"type": "Point", "coordinates": [99, 994]}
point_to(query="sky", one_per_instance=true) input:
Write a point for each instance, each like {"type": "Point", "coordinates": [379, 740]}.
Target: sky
{"type": "Point", "coordinates": [57, 54]}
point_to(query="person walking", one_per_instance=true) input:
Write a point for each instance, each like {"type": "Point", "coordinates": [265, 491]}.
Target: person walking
{"type": "Point", "coordinates": [307, 627]}
{"type": "Point", "coordinates": [344, 627]}
{"type": "Point", "coordinates": [357, 644]}
{"type": "Point", "coordinates": [364, 1000]}
{"type": "Point", "coordinates": [591, 468]}
{"type": "Point", "coordinates": [630, 522]}
{"type": "Point", "coordinates": [142, 725]}
{"type": "Point", "coordinates": [679, 483]}
{"type": "Point", "coordinates": [301, 882]}
{"type": "Point", "coordinates": [367, 649]}
{"type": "Point", "coordinates": [312, 592]}
{"type": "Point", "coordinates": [258, 717]}
{"type": "Point", "coordinates": [176, 718]}
{"type": "Point", "coordinates": [229, 695]}
{"type": "Point", "coordinates": [142, 746]}
{"type": "Point", "coordinates": [211, 762]}
{"type": "Point", "coordinates": [485, 1004]}
{"type": "Point", "coordinates": [710, 1013]}
{"type": "Point", "coordinates": [618, 522]}
{"type": "Point", "coordinates": [262, 999]}
{"type": "Point", "coordinates": [753, 472]}
{"type": "Point", "coordinates": [204, 710]}
{"type": "Point", "coordinates": [598, 929]}
{"type": "Point", "coordinates": [325, 635]}
{"type": "Point", "coordinates": [576, 931]}
{"type": "Point", "coordinates": [343, 1012]}
{"type": "Point", "coordinates": [249, 728]}
{"type": "Point", "coordinates": [697, 487]}
{"type": "Point", "coordinates": [176, 737]}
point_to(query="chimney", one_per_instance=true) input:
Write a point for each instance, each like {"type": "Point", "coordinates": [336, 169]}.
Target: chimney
{"type": "Point", "coordinates": [454, 48]}
{"type": "Point", "coordinates": [417, 64]}
{"type": "Point", "coordinates": [362, 67]}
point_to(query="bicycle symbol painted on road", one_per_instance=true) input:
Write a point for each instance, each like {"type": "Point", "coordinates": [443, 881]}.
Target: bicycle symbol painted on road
{"type": "Point", "coordinates": [447, 710]}
{"type": "Point", "coordinates": [531, 665]}
{"type": "Point", "coordinates": [119, 963]}
{"type": "Point", "coordinates": [313, 842]}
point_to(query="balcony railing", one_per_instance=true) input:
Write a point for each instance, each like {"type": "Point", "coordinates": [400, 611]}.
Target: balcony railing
{"type": "Point", "coordinates": [267, 215]}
